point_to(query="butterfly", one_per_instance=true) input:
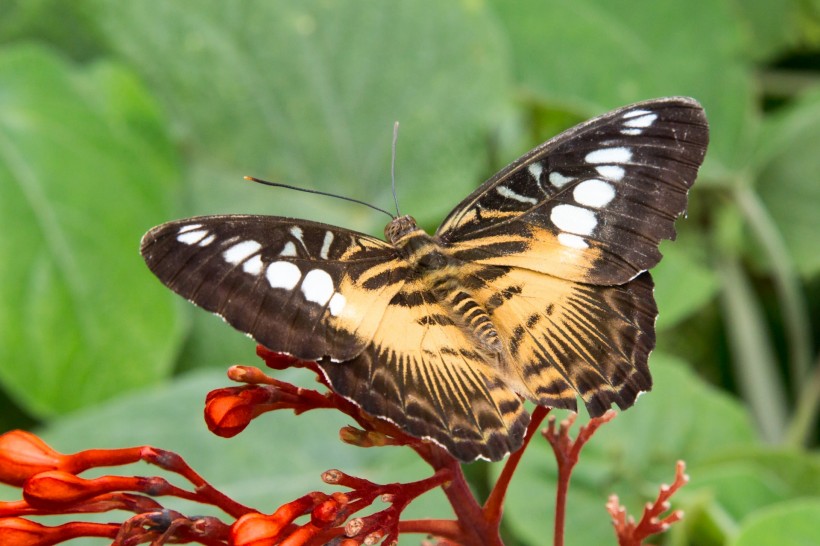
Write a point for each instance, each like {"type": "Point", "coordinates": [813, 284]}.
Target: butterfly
{"type": "Point", "coordinates": [534, 287]}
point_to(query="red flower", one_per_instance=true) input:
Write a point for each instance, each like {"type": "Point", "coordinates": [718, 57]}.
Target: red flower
{"type": "Point", "coordinates": [23, 455]}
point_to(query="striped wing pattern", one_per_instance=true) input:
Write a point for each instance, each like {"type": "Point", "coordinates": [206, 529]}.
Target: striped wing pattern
{"type": "Point", "coordinates": [322, 293]}
{"type": "Point", "coordinates": [535, 286]}
{"type": "Point", "coordinates": [566, 339]}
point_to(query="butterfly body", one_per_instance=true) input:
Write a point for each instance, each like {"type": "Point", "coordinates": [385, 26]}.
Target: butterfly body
{"type": "Point", "coordinates": [441, 276]}
{"type": "Point", "coordinates": [535, 286]}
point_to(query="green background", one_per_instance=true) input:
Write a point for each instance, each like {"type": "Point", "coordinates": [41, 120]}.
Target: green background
{"type": "Point", "coordinates": [116, 116]}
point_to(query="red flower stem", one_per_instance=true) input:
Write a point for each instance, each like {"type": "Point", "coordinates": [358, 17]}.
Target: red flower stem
{"type": "Point", "coordinates": [440, 528]}
{"type": "Point", "coordinates": [564, 473]}
{"type": "Point", "coordinates": [566, 455]}
{"type": "Point", "coordinates": [412, 490]}
{"type": "Point", "coordinates": [204, 491]}
{"type": "Point", "coordinates": [473, 528]}
{"type": "Point", "coordinates": [494, 506]}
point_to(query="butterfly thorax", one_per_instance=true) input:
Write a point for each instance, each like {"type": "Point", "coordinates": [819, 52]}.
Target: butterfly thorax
{"type": "Point", "coordinates": [437, 274]}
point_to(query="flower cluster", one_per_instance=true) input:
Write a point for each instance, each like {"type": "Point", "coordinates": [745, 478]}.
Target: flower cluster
{"type": "Point", "coordinates": [51, 484]}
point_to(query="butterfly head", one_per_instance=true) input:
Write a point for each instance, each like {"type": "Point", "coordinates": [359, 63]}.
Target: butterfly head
{"type": "Point", "coordinates": [399, 228]}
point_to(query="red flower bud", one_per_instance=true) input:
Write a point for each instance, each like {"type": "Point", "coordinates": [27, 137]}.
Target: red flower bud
{"type": "Point", "coordinates": [56, 488]}
{"type": "Point", "coordinates": [22, 532]}
{"type": "Point", "coordinates": [325, 513]}
{"type": "Point", "coordinates": [254, 530]}
{"type": "Point", "coordinates": [229, 411]}
{"type": "Point", "coordinates": [23, 455]}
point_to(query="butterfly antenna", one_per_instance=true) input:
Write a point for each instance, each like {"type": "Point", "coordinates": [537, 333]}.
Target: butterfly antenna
{"type": "Point", "coordinates": [306, 190]}
{"type": "Point", "coordinates": [393, 166]}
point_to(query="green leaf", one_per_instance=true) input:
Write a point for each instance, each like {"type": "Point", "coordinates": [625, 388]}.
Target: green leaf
{"type": "Point", "coordinates": [755, 364]}
{"type": "Point", "coordinates": [745, 481]}
{"type": "Point", "coordinates": [289, 91]}
{"type": "Point", "coordinates": [772, 27]}
{"type": "Point", "coordinates": [278, 458]}
{"type": "Point", "coordinates": [65, 26]}
{"type": "Point", "coordinates": [85, 169]}
{"type": "Point", "coordinates": [683, 282]}
{"type": "Point", "coordinates": [681, 418]}
{"type": "Point", "coordinates": [787, 181]}
{"type": "Point", "coordinates": [788, 524]}
{"type": "Point", "coordinates": [593, 55]}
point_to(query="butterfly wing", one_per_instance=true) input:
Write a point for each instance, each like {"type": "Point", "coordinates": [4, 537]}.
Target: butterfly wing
{"type": "Point", "coordinates": [302, 288]}
{"type": "Point", "coordinates": [424, 373]}
{"type": "Point", "coordinates": [347, 300]}
{"type": "Point", "coordinates": [574, 224]}
{"type": "Point", "coordinates": [592, 204]}
{"type": "Point", "coordinates": [566, 339]}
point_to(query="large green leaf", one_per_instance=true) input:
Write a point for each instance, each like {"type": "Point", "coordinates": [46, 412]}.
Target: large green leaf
{"type": "Point", "coordinates": [745, 481]}
{"type": "Point", "coordinates": [789, 183]}
{"type": "Point", "coordinates": [592, 55]}
{"type": "Point", "coordinates": [789, 524]}
{"type": "Point", "coordinates": [682, 418]}
{"type": "Point", "coordinates": [683, 283]}
{"type": "Point", "coordinates": [306, 92]}
{"type": "Point", "coordinates": [772, 27]}
{"type": "Point", "coordinates": [85, 168]}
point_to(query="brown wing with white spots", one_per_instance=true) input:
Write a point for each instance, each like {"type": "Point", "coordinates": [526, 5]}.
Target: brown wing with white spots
{"type": "Point", "coordinates": [347, 300]}
{"type": "Point", "coordinates": [592, 204]}
{"type": "Point", "coordinates": [298, 287]}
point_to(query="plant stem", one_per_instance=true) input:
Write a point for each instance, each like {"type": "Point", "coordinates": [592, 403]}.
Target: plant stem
{"type": "Point", "coordinates": [474, 527]}
{"type": "Point", "coordinates": [805, 415]}
{"type": "Point", "coordinates": [493, 507]}
{"type": "Point", "coordinates": [786, 283]}
{"type": "Point", "coordinates": [564, 473]}
{"type": "Point", "coordinates": [755, 364]}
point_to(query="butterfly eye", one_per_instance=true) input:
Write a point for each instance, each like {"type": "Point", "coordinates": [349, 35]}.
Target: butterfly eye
{"type": "Point", "coordinates": [400, 227]}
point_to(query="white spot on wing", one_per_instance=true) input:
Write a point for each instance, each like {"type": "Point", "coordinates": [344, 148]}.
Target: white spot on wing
{"type": "Point", "coordinates": [283, 275]}
{"type": "Point", "coordinates": [642, 122]}
{"type": "Point", "coordinates": [326, 245]}
{"type": "Point", "coordinates": [317, 286]}
{"type": "Point", "coordinates": [192, 237]}
{"type": "Point", "coordinates": [336, 304]}
{"type": "Point", "coordinates": [239, 252]}
{"type": "Point", "coordinates": [207, 240]}
{"type": "Point", "coordinates": [594, 193]}
{"type": "Point", "coordinates": [620, 154]}
{"type": "Point", "coordinates": [296, 231]}
{"type": "Point", "coordinates": [613, 172]}
{"type": "Point", "coordinates": [559, 180]}
{"type": "Point", "coordinates": [572, 241]}
{"type": "Point", "coordinates": [636, 113]}
{"type": "Point", "coordinates": [504, 191]}
{"type": "Point", "coordinates": [574, 219]}
{"type": "Point", "coordinates": [289, 250]}
{"type": "Point", "coordinates": [189, 227]}
{"type": "Point", "coordinates": [631, 132]}
{"type": "Point", "coordinates": [253, 265]}
{"type": "Point", "coordinates": [535, 170]}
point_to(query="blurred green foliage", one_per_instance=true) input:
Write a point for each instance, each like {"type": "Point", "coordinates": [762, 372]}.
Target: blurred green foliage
{"type": "Point", "coordinates": [116, 116]}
